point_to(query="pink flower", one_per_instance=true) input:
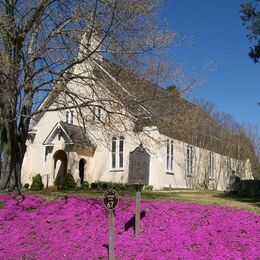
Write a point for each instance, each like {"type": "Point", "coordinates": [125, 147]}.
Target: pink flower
{"type": "Point", "coordinates": [77, 228]}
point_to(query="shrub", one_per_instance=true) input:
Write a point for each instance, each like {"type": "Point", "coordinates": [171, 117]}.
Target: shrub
{"type": "Point", "coordinates": [110, 185]}
{"type": "Point", "coordinates": [69, 182]}
{"type": "Point", "coordinates": [104, 185]}
{"type": "Point", "coordinates": [118, 186]}
{"type": "Point", "coordinates": [93, 185]}
{"type": "Point", "coordinates": [26, 186]}
{"type": "Point", "coordinates": [130, 187]}
{"type": "Point", "coordinates": [37, 183]}
{"type": "Point", "coordinates": [85, 185]}
{"type": "Point", "coordinates": [149, 187]}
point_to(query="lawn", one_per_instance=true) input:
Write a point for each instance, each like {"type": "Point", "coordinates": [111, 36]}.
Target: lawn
{"type": "Point", "coordinates": [76, 227]}
{"type": "Point", "coordinates": [201, 197]}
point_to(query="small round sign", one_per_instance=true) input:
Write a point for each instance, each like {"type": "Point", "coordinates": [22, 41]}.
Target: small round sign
{"type": "Point", "coordinates": [110, 199]}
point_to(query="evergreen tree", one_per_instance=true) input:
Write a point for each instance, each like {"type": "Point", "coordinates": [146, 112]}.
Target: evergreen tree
{"type": "Point", "coordinates": [251, 19]}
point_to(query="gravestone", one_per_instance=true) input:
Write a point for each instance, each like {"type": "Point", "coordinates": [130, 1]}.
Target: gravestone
{"type": "Point", "coordinates": [139, 166]}
{"type": "Point", "coordinates": [233, 183]}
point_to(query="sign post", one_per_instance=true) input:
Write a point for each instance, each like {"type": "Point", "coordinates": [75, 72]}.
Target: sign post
{"type": "Point", "coordinates": [111, 235]}
{"type": "Point", "coordinates": [110, 199]}
{"type": "Point", "coordinates": [139, 166]}
{"type": "Point", "coordinates": [137, 209]}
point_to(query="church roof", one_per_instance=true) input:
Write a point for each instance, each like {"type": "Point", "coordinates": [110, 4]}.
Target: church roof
{"type": "Point", "coordinates": [72, 134]}
{"type": "Point", "coordinates": [150, 104]}
{"type": "Point", "coordinates": [174, 116]}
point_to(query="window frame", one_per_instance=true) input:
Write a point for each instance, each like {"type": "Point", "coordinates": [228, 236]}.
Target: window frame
{"type": "Point", "coordinates": [239, 168]}
{"type": "Point", "coordinates": [169, 155]}
{"type": "Point", "coordinates": [96, 114]}
{"type": "Point", "coordinates": [117, 153]}
{"type": "Point", "coordinates": [47, 152]}
{"type": "Point", "coordinates": [189, 160]}
{"type": "Point", "coordinates": [229, 166]}
{"type": "Point", "coordinates": [211, 165]}
{"type": "Point", "coordinates": [69, 118]}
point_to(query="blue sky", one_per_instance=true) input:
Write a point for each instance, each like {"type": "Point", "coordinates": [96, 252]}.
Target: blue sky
{"type": "Point", "coordinates": [234, 85]}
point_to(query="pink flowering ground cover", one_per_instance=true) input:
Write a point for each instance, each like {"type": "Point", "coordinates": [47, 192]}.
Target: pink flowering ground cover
{"type": "Point", "coordinates": [77, 228]}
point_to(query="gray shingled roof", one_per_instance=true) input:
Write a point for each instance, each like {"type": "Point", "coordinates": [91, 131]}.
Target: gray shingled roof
{"type": "Point", "coordinates": [72, 134]}
{"type": "Point", "coordinates": [174, 116]}
{"type": "Point", "coordinates": [77, 134]}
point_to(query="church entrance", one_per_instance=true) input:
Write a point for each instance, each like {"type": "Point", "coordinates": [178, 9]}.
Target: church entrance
{"type": "Point", "coordinates": [82, 163]}
{"type": "Point", "coordinates": [60, 167]}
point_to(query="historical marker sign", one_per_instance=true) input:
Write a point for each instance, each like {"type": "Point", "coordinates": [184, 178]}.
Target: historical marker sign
{"type": "Point", "coordinates": [139, 166]}
{"type": "Point", "coordinates": [110, 199]}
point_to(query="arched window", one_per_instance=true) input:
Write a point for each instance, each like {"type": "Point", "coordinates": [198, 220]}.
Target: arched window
{"type": "Point", "coordinates": [117, 153]}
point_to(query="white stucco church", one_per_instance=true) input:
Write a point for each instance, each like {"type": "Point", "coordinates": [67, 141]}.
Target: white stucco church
{"type": "Point", "coordinates": [94, 143]}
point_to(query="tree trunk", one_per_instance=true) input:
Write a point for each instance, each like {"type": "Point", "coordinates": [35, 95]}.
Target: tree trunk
{"type": "Point", "coordinates": [13, 162]}
{"type": "Point", "coordinates": [5, 164]}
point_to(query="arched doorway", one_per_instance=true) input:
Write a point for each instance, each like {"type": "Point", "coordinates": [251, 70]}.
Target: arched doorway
{"type": "Point", "coordinates": [60, 167]}
{"type": "Point", "coordinates": [82, 163]}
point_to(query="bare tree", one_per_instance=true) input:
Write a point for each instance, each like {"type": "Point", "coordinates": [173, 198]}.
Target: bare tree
{"type": "Point", "coordinates": [41, 43]}
{"type": "Point", "coordinates": [231, 138]}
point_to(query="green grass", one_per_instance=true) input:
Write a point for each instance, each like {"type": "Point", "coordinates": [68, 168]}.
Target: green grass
{"type": "Point", "coordinates": [200, 197]}
{"type": "Point", "coordinates": [2, 204]}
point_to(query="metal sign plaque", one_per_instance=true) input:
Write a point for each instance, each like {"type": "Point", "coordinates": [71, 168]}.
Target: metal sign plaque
{"type": "Point", "coordinates": [110, 199]}
{"type": "Point", "coordinates": [139, 166]}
